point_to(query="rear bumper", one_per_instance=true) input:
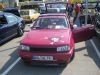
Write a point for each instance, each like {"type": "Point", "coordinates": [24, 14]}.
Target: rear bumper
{"type": "Point", "coordinates": [27, 20]}
{"type": "Point", "coordinates": [58, 58]}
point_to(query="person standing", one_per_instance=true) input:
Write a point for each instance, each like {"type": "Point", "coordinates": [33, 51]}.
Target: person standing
{"type": "Point", "coordinates": [97, 7]}
{"type": "Point", "coordinates": [77, 9]}
{"type": "Point", "coordinates": [81, 8]}
{"type": "Point", "coordinates": [70, 10]}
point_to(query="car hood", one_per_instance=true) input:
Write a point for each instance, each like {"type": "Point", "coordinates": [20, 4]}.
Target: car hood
{"type": "Point", "coordinates": [47, 37]}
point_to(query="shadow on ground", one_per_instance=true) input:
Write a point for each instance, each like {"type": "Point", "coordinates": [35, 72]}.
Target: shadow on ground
{"type": "Point", "coordinates": [90, 52]}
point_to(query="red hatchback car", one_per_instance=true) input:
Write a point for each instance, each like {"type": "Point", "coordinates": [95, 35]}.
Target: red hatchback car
{"type": "Point", "coordinates": [52, 37]}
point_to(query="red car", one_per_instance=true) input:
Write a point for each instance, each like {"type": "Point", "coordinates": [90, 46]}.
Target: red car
{"type": "Point", "coordinates": [52, 37]}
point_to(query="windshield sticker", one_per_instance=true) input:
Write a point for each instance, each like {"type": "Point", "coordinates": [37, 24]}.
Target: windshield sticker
{"type": "Point", "coordinates": [51, 17]}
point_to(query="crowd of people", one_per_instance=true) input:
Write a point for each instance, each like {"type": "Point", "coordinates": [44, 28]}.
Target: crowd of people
{"type": "Point", "coordinates": [78, 8]}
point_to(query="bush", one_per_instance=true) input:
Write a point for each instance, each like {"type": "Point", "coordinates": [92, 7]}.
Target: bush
{"type": "Point", "coordinates": [36, 9]}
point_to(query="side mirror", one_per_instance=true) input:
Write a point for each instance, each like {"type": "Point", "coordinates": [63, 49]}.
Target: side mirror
{"type": "Point", "coordinates": [74, 26]}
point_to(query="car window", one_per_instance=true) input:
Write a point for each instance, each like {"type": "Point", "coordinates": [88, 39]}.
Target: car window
{"type": "Point", "coordinates": [11, 18]}
{"type": "Point", "coordinates": [55, 22]}
{"type": "Point", "coordinates": [15, 18]}
{"type": "Point", "coordinates": [16, 12]}
{"type": "Point", "coordinates": [35, 12]}
{"type": "Point", "coordinates": [3, 20]}
{"type": "Point", "coordinates": [24, 12]}
{"type": "Point", "coordinates": [32, 12]}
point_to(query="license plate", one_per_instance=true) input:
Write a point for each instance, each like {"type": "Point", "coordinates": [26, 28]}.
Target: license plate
{"type": "Point", "coordinates": [42, 58]}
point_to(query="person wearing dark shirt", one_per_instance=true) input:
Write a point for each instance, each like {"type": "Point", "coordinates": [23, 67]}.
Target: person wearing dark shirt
{"type": "Point", "coordinates": [97, 7]}
{"type": "Point", "coordinates": [70, 10]}
{"type": "Point", "coordinates": [81, 8]}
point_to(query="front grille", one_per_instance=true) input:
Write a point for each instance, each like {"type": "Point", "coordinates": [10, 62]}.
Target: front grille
{"type": "Point", "coordinates": [43, 49]}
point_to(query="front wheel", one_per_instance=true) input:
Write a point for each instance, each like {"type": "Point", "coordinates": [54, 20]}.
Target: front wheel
{"type": "Point", "coordinates": [20, 31]}
{"type": "Point", "coordinates": [73, 55]}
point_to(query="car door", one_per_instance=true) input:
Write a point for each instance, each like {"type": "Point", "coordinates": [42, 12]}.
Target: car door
{"type": "Point", "coordinates": [13, 24]}
{"type": "Point", "coordinates": [4, 29]}
{"type": "Point", "coordinates": [82, 32]}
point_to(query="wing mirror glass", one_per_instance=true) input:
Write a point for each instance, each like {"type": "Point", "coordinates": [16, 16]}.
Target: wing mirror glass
{"type": "Point", "coordinates": [74, 26]}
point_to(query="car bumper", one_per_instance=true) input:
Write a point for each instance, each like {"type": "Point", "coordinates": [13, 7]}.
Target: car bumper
{"type": "Point", "coordinates": [27, 20]}
{"type": "Point", "coordinates": [58, 57]}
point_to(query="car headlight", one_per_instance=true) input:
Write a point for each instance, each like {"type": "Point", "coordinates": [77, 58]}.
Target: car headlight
{"type": "Point", "coordinates": [63, 48]}
{"type": "Point", "coordinates": [23, 47]}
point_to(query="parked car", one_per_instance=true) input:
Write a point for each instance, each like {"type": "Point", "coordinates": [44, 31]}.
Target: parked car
{"type": "Point", "coordinates": [29, 15]}
{"type": "Point", "coordinates": [56, 7]}
{"type": "Point", "coordinates": [10, 26]}
{"type": "Point", "coordinates": [91, 9]}
{"type": "Point", "coordinates": [52, 37]}
{"type": "Point", "coordinates": [42, 9]}
{"type": "Point", "coordinates": [97, 23]}
{"type": "Point", "coordinates": [15, 11]}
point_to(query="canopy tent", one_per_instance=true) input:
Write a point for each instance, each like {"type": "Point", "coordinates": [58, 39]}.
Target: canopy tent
{"type": "Point", "coordinates": [73, 1]}
{"type": "Point", "coordinates": [80, 1]}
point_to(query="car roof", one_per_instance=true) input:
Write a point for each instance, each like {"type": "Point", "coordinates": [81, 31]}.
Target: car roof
{"type": "Point", "coordinates": [2, 13]}
{"type": "Point", "coordinates": [53, 14]}
{"type": "Point", "coordinates": [55, 2]}
{"type": "Point", "coordinates": [27, 10]}
{"type": "Point", "coordinates": [16, 9]}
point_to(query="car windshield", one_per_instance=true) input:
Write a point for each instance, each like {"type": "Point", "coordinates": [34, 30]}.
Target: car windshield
{"type": "Point", "coordinates": [42, 8]}
{"type": "Point", "coordinates": [51, 22]}
{"type": "Point", "coordinates": [56, 6]}
{"type": "Point", "coordinates": [24, 12]}
{"type": "Point", "coordinates": [13, 12]}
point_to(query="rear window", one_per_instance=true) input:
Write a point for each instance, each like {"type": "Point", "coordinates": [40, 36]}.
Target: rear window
{"type": "Point", "coordinates": [51, 22]}
{"type": "Point", "coordinates": [16, 12]}
{"type": "Point", "coordinates": [24, 12]}
{"type": "Point", "coordinates": [13, 12]}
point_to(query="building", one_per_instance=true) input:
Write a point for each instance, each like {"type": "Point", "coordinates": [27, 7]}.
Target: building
{"type": "Point", "coordinates": [10, 3]}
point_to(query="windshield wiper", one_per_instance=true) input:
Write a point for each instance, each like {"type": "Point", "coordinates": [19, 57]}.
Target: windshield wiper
{"type": "Point", "coordinates": [38, 27]}
{"type": "Point", "coordinates": [41, 27]}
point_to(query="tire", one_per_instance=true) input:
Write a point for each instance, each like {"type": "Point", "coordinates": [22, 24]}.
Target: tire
{"type": "Point", "coordinates": [73, 55]}
{"type": "Point", "coordinates": [95, 34]}
{"type": "Point", "coordinates": [20, 31]}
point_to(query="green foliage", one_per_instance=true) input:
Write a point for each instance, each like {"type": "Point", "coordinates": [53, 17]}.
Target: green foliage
{"type": "Point", "coordinates": [36, 9]}
{"type": "Point", "coordinates": [21, 0]}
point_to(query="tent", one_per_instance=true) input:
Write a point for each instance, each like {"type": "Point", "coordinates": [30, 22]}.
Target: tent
{"type": "Point", "coordinates": [73, 1]}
